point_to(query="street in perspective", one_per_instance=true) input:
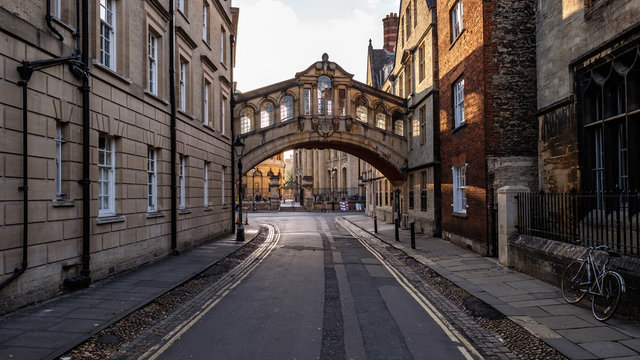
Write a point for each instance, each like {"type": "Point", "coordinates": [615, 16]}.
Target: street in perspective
{"type": "Point", "coordinates": [284, 179]}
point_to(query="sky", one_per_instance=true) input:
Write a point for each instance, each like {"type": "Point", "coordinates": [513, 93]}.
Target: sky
{"type": "Point", "coordinates": [278, 38]}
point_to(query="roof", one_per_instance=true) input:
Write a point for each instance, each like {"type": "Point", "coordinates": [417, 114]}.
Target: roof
{"type": "Point", "coordinates": [380, 63]}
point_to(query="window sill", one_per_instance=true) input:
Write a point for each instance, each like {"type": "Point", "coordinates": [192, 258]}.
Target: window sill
{"type": "Point", "coordinates": [61, 203]}
{"type": "Point", "coordinates": [183, 16]}
{"type": "Point", "coordinates": [209, 127]}
{"type": "Point", "coordinates": [461, 126]}
{"type": "Point", "coordinates": [184, 211]}
{"type": "Point", "coordinates": [112, 72]}
{"type": "Point", "coordinates": [224, 65]}
{"type": "Point", "coordinates": [206, 43]}
{"type": "Point", "coordinates": [102, 220]}
{"type": "Point", "coordinates": [208, 208]}
{"type": "Point", "coordinates": [183, 112]}
{"type": "Point", "coordinates": [155, 96]}
{"type": "Point", "coordinates": [155, 214]}
{"type": "Point", "coordinates": [457, 37]}
{"type": "Point", "coordinates": [63, 24]}
{"type": "Point", "coordinates": [462, 215]}
{"type": "Point", "coordinates": [225, 206]}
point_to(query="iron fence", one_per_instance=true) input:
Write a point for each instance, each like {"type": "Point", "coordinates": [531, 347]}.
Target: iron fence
{"type": "Point", "coordinates": [610, 218]}
{"type": "Point", "coordinates": [355, 194]}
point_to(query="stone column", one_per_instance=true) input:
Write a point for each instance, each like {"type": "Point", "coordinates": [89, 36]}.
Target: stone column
{"type": "Point", "coordinates": [274, 190]}
{"type": "Point", "coordinates": [507, 218]}
{"type": "Point", "coordinates": [307, 185]}
{"type": "Point", "coordinates": [316, 177]}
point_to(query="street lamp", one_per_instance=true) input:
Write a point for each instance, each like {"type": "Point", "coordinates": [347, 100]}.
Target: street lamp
{"type": "Point", "coordinates": [238, 148]}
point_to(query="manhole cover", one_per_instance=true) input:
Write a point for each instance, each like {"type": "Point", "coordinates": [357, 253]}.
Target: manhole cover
{"type": "Point", "coordinates": [481, 309]}
{"type": "Point", "coordinates": [108, 339]}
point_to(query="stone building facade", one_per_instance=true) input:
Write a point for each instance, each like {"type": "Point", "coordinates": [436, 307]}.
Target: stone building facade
{"type": "Point", "coordinates": [257, 181]}
{"type": "Point", "coordinates": [129, 128]}
{"type": "Point", "coordinates": [486, 65]}
{"type": "Point", "coordinates": [588, 97]}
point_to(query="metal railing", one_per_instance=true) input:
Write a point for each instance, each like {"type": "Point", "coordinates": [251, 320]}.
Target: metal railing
{"type": "Point", "coordinates": [356, 194]}
{"type": "Point", "coordinates": [605, 218]}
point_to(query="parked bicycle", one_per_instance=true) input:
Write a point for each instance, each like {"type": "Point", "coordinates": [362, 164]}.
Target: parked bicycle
{"type": "Point", "coordinates": [585, 276]}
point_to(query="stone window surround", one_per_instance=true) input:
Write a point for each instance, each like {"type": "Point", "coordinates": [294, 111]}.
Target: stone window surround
{"type": "Point", "coordinates": [107, 168]}
{"type": "Point", "coordinates": [456, 24]}
{"type": "Point", "coordinates": [459, 185]}
{"type": "Point", "coordinates": [457, 95]}
{"type": "Point", "coordinates": [110, 29]}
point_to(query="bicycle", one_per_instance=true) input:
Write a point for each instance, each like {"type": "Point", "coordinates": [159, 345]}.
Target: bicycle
{"type": "Point", "coordinates": [584, 276]}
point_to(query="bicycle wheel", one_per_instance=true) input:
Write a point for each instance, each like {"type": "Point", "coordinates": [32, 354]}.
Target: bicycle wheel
{"type": "Point", "coordinates": [574, 282]}
{"type": "Point", "coordinates": [605, 302]}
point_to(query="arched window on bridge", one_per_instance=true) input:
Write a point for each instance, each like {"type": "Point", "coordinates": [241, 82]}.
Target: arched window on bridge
{"type": "Point", "coordinates": [398, 123]}
{"type": "Point", "coordinates": [381, 118]}
{"type": "Point", "coordinates": [286, 108]}
{"type": "Point", "coordinates": [324, 95]}
{"type": "Point", "coordinates": [246, 120]}
{"type": "Point", "coordinates": [361, 110]}
{"type": "Point", "coordinates": [267, 115]}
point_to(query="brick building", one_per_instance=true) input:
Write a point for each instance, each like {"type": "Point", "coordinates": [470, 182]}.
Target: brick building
{"type": "Point", "coordinates": [100, 141]}
{"type": "Point", "coordinates": [486, 66]}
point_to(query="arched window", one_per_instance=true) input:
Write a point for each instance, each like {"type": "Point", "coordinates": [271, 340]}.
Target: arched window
{"type": "Point", "coordinates": [266, 115]}
{"type": "Point", "coordinates": [286, 108]}
{"type": "Point", "coordinates": [381, 118]}
{"type": "Point", "coordinates": [246, 120]}
{"type": "Point", "coordinates": [324, 95]}
{"type": "Point", "coordinates": [361, 110]}
{"type": "Point", "coordinates": [398, 124]}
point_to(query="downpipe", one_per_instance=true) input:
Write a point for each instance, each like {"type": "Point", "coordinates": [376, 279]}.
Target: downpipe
{"type": "Point", "coordinates": [232, 104]}
{"type": "Point", "coordinates": [172, 129]}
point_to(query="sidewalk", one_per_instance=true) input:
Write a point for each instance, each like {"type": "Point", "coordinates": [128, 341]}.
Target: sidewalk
{"type": "Point", "coordinates": [534, 304]}
{"type": "Point", "coordinates": [49, 329]}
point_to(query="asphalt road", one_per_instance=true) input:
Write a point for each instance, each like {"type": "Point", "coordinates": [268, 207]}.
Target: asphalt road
{"type": "Point", "coordinates": [319, 294]}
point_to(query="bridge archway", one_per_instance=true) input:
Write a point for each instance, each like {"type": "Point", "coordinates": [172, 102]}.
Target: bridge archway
{"type": "Point", "coordinates": [322, 107]}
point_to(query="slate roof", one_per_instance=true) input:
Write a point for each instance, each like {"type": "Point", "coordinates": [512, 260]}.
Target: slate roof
{"type": "Point", "coordinates": [379, 59]}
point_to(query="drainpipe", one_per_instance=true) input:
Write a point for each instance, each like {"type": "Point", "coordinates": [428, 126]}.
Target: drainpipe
{"type": "Point", "coordinates": [232, 104]}
{"type": "Point", "coordinates": [172, 126]}
{"type": "Point", "coordinates": [85, 273]}
{"type": "Point", "coordinates": [48, 18]}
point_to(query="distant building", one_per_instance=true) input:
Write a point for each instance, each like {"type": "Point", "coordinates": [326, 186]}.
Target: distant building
{"type": "Point", "coordinates": [256, 182]}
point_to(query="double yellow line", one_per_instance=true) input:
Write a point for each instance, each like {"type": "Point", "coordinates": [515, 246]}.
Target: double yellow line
{"type": "Point", "coordinates": [230, 280]}
{"type": "Point", "coordinates": [465, 348]}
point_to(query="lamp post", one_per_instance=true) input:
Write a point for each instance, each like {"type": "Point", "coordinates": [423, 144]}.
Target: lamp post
{"type": "Point", "coordinates": [238, 147]}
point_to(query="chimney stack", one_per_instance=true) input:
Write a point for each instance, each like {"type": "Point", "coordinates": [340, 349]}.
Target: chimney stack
{"type": "Point", "coordinates": [390, 31]}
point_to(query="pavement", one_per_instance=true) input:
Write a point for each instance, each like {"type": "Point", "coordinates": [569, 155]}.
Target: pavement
{"type": "Point", "coordinates": [50, 329]}
{"type": "Point", "coordinates": [534, 304]}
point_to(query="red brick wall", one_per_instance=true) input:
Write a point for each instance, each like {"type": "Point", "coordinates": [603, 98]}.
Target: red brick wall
{"type": "Point", "coordinates": [467, 143]}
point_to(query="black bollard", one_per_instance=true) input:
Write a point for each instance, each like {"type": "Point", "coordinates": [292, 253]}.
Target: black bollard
{"type": "Point", "coordinates": [375, 224]}
{"type": "Point", "coordinates": [413, 235]}
{"type": "Point", "coordinates": [397, 229]}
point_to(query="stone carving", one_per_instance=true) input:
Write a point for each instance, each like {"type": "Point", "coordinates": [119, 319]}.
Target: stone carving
{"type": "Point", "coordinates": [324, 126]}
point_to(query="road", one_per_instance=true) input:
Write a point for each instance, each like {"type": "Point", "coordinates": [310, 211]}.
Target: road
{"type": "Point", "coordinates": [316, 292]}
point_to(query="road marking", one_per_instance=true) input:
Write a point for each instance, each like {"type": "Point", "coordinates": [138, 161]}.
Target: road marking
{"type": "Point", "coordinates": [428, 307]}
{"type": "Point", "coordinates": [233, 279]}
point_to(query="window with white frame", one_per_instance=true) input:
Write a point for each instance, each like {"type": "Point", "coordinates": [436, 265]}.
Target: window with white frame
{"type": "Point", "coordinates": [205, 22]}
{"type": "Point", "coordinates": [246, 120]}
{"type": "Point", "coordinates": [205, 180]}
{"type": "Point", "coordinates": [205, 102]}
{"type": "Point", "coordinates": [182, 182]}
{"type": "Point", "coordinates": [267, 115]}
{"type": "Point", "coordinates": [59, 141]}
{"type": "Point", "coordinates": [223, 114]}
{"type": "Point", "coordinates": [286, 108]}
{"type": "Point", "coordinates": [56, 9]}
{"type": "Point", "coordinates": [223, 35]}
{"type": "Point", "coordinates": [456, 20]}
{"type": "Point", "coordinates": [182, 90]}
{"type": "Point", "coordinates": [153, 64]}
{"type": "Point", "coordinates": [458, 102]}
{"type": "Point", "coordinates": [106, 176]}
{"type": "Point", "coordinates": [222, 185]}
{"type": "Point", "coordinates": [459, 186]}
{"type": "Point", "coordinates": [108, 33]}
{"type": "Point", "coordinates": [152, 180]}
{"type": "Point", "coordinates": [181, 5]}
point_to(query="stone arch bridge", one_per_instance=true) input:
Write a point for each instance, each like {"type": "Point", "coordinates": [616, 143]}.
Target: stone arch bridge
{"type": "Point", "coordinates": [323, 107]}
